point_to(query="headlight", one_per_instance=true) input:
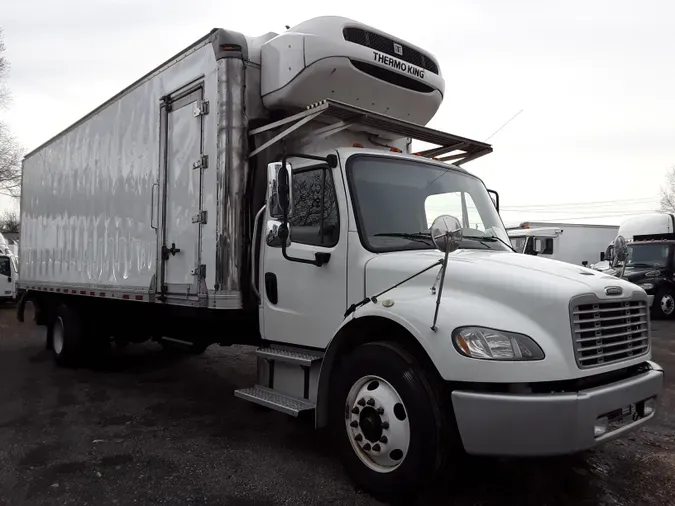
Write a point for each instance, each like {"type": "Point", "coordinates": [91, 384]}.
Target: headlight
{"type": "Point", "coordinates": [646, 286]}
{"type": "Point", "coordinates": [489, 344]}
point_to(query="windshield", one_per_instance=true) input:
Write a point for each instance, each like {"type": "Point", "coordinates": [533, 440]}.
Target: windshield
{"type": "Point", "coordinates": [397, 200]}
{"type": "Point", "coordinates": [648, 255]}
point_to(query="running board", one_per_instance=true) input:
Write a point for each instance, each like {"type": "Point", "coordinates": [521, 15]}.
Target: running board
{"type": "Point", "coordinates": [288, 356]}
{"type": "Point", "coordinates": [274, 400]}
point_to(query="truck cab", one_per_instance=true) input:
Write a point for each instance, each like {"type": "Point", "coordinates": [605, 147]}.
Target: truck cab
{"type": "Point", "coordinates": [649, 264]}
{"type": "Point", "coordinates": [535, 241]}
{"type": "Point", "coordinates": [8, 275]}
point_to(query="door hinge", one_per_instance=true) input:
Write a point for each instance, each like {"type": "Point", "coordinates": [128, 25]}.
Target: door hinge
{"type": "Point", "coordinates": [202, 163]}
{"type": "Point", "coordinates": [199, 271]}
{"type": "Point", "coordinates": [200, 218]}
{"type": "Point", "coordinates": [201, 109]}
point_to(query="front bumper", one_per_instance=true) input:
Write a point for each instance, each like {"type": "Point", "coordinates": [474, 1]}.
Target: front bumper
{"type": "Point", "coordinates": [549, 424]}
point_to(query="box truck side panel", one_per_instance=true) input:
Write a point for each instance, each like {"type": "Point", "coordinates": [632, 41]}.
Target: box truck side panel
{"type": "Point", "coordinates": [96, 205]}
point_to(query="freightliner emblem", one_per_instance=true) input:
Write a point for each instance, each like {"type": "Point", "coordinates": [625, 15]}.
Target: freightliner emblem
{"type": "Point", "coordinates": [613, 290]}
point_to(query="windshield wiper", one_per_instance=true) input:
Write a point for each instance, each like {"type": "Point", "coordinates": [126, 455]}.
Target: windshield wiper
{"type": "Point", "coordinates": [639, 264]}
{"type": "Point", "coordinates": [488, 238]}
{"type": "Point", "coordinates": [493, 238]}
{"type": "Point", "coordinates": [424, 237]}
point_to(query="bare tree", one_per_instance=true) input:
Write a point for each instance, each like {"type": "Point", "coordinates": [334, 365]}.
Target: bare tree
{"type": "Point", "coordinates": [668, 192]}
{"type": "Point", "coordinates": [9, 222]}
{"type": "Point", "coordinates": [10, 150]}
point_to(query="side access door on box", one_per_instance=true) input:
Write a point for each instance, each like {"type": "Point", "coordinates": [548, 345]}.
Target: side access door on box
{"type": "Point", "coordinates": [182, 162]}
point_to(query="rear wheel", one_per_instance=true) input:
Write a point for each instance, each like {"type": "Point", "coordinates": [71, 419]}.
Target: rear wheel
{"type": "Point", "coordinates": [65, 335]}
{"type": "Point", "coordinates": [388, 421]}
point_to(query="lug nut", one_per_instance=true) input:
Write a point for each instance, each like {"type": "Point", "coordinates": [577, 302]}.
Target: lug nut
{"type": "Point", "coordinates": [384, 440]}
{"type": "Point", "coordinates": [380, 411]}
{"type": "Point", "coordinates": [385, 425]}
{"type": "Point", "coordinates": [355, 410]}
{"type": "Point", "coordinates": [366, 447]}
{"type": "Point", "coordinates": [354, 424]}
{"type": "Point", "coordinates": [358, 437]}
{"type": "Point", "coordinates": [371, 402]}
{"type": "Point", "coordinates": [376, 447]}
{"type": "Point", "coordinates": [362, 402]}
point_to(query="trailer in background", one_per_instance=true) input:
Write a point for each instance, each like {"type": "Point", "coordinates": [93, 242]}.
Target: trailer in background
{"type": "Point", "coordinates": [574, 243]}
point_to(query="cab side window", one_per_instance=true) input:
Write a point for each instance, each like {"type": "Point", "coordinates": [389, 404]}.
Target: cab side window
{"type": "Point", "coordinates": [5, 269]}
{"type": "Point", "coordinates": [315, 219]}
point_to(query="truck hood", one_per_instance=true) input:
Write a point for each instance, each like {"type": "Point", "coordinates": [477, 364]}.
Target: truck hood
{"type": "Point", "coordinates": [507, 291]}
{"type": "Point", "coordinates": [500, 272]}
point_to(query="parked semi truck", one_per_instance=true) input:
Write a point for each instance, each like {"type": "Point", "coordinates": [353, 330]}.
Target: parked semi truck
{"type": "Point", "coordinates": [651, 261]}
{"type": "Point", "coordinates": [264, 191]}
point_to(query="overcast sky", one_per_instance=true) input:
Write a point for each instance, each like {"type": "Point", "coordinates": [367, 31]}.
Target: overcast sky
{"type": "Point", "coordinates": [594, 79]}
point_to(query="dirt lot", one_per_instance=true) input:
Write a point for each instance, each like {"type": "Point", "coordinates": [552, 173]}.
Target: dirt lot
{"type": "Point", "coordinates": [151, 428]}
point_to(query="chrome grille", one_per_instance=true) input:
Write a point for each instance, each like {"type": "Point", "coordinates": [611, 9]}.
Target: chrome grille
{"type": "Point", "coordinates": [608, 332]}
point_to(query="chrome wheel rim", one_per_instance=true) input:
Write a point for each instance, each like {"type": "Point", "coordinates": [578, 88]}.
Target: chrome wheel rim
{"type": "Point", "coordinates": [377, 424]}
{"type": "Point", "coordinates": [667, 304]}
{"type": "Point", "coordinates": [57, 336]}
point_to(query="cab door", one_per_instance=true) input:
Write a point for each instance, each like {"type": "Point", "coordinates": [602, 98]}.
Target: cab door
{"type": "Point", "coordinates": [303, 303]}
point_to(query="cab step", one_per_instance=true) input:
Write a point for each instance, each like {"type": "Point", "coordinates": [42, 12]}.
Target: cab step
{"type": "Point", "coordinates": [275, 400]}
{"type": "Point", "coordinates": [289, 356]}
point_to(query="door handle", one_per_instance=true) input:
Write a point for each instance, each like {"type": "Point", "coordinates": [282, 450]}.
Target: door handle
{"type": "Point", "coordinates": [173, 250]}
{"type": "Point", "coordinates": [271, 287]}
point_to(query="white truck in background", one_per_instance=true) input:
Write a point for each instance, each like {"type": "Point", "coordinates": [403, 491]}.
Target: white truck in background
{"type": "Point", "coordinates": [263, 190]}
{"type": "Point", "coordinates": [575, 243]}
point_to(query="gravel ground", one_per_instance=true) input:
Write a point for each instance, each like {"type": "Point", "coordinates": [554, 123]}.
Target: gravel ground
{"type": "Point", "coordinates": [152, 428]}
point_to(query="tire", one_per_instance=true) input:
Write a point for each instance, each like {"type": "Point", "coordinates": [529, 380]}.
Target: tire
{"type": "Point", "coordinates": [664, 304]}
{"type": "Point", "coordinates": [379, 372]}
{"type": "Point", "coordinates": [66, 336]}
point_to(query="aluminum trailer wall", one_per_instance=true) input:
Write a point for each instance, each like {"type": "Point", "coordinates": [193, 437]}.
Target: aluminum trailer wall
{"type": "Point", "coordinates": [93, 208]}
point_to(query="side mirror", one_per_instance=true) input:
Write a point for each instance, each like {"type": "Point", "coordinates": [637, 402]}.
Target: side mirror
{"type": "Point", "coordinates": [279, 190]}
{"type": "Point", "coordinates": [585, 263]}
{"type": "Point", "coordinates": [446, 232]}
{"type": "Point", "coordinates": [620, 250]}
{"type": "Point", "coordinates": [495, 198]}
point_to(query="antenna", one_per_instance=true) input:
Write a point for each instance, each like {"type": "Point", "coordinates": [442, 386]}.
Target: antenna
{"type": "Point", "coordinates": [501, 127]}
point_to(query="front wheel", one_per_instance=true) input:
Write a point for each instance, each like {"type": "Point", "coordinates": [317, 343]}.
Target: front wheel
{"type": "Point", "coordinates": [664, 304]}
{"type": "Point", "coordinates": [388, 421]}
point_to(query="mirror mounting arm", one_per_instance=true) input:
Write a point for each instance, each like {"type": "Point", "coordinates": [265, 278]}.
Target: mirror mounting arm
{"type": "Point", "coordinates": [320, 258]}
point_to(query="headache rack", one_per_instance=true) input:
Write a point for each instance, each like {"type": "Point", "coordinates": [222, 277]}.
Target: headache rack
{"type": "Point", "coordinates": [341, 117]}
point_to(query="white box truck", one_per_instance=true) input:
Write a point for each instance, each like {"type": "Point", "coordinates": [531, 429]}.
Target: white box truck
{"type": "Point", "coordinates": [8, 271]}
{"type": "Point", "coordinates": [575, 243]}
{"type": "Point", "coordinates": [262, 190]}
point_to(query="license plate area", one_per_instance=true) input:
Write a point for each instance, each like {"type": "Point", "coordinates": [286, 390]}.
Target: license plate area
{"type": "Point", "coordinates": [624, 416]}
